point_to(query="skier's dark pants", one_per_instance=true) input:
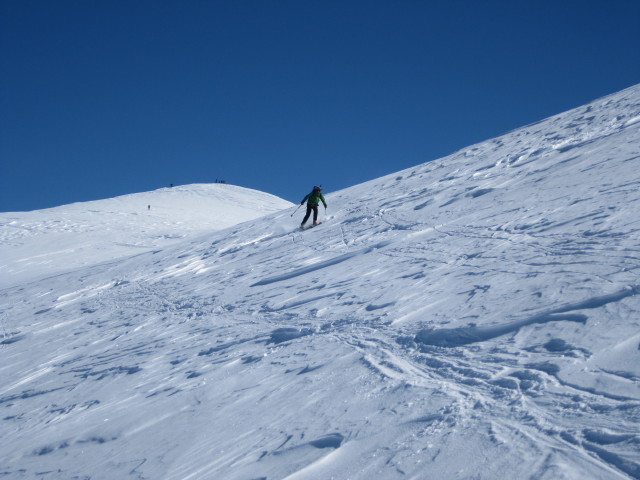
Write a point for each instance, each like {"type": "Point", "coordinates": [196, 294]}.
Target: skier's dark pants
{"type": "Point", "coordinates": [311, 208]}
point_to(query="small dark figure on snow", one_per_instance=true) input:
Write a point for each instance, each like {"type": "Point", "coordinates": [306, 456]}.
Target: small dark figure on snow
{"type": "Point", "coordinates": [313, 200]}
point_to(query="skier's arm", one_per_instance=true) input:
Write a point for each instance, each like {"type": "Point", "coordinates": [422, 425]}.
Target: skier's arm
{"type": "Point", "coordinates": [323, 201]}
{"type": "Point", "coordinates": [305, 199]}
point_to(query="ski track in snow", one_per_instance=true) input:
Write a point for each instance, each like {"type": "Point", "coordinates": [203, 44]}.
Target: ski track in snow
{"type": "Point", "coordinates": [472, 317]}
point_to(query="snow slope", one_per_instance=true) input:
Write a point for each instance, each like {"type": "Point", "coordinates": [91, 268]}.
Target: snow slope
{"type": "Point", "coordinates": [82, 234]}
{"type": "Point", "coordinates": [474, 317]}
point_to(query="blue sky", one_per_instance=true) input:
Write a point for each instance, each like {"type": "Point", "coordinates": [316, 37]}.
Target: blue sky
{"type": "Point", "coordinates": [104, 98]}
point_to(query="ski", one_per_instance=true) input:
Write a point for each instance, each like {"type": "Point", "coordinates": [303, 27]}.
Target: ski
{"type": "Point", "coordinates": [307, 227]}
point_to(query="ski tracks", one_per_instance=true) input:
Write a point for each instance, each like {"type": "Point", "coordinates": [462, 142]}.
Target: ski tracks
{"type": "Point", "coordinates": [507, 396]}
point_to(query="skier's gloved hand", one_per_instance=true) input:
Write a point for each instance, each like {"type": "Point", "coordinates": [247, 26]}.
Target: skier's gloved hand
{"type": "Point", "coordinates": [301, 203]}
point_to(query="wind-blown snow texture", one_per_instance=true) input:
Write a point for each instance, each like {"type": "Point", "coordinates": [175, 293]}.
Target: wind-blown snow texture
{"type": "Point", "coordinates": [475, 317]}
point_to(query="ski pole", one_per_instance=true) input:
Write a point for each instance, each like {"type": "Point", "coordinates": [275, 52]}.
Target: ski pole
{"type": "Point", "coordinates": [294, 212]}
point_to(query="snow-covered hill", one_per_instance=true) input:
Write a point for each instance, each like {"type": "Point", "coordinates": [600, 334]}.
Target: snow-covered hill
{"type": "Point", "coordinates": [475, 317]}
{"type": "Point", "coordinates": [59, 239]}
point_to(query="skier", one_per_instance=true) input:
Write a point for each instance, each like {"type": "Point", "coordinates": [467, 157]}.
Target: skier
{"type": "Point", "coordinates": [313, 200]}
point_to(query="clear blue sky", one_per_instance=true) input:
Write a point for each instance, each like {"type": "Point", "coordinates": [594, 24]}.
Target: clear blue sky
{"type": "Point", "coordinates": [100, 98]}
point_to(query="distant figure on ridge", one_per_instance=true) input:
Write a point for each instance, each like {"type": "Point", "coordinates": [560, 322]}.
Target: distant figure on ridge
{"type": "Point", "coordinates": [313, 200]}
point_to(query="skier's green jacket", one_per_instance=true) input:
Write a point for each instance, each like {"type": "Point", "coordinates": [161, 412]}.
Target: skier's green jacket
{"type": "Point", "coordinates": [314, 199]}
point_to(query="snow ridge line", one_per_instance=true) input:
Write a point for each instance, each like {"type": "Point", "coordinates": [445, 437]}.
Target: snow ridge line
{"type": "Point", "coordinates": [456, 337]}
{"type": "Point", "coordinates": [319, 265]}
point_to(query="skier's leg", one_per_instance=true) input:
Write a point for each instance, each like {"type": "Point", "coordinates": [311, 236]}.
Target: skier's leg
{"type": "Point", "coordinates": [306, 217]}
{"type": "Point", "coordinates": [315, 214]}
